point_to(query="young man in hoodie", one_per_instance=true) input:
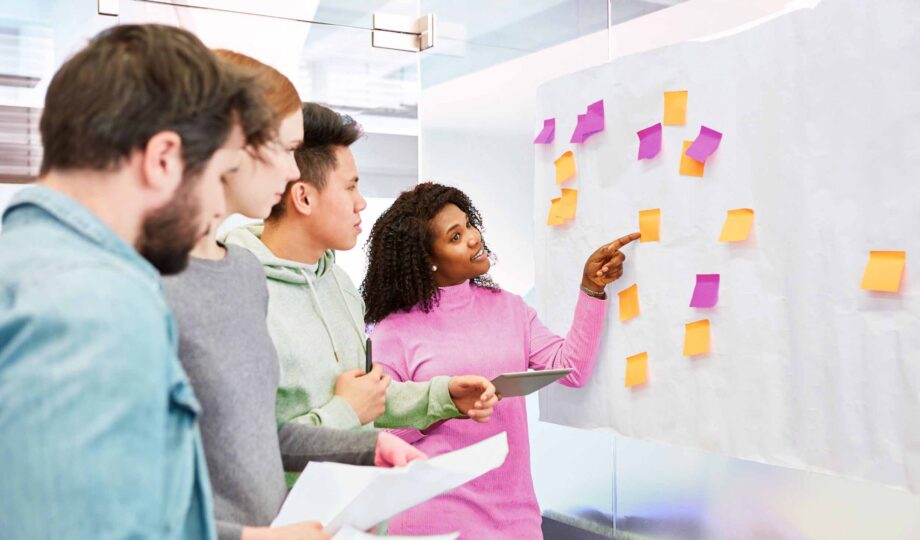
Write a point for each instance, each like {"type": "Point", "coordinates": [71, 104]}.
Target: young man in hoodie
{"type": "Point", "coordinates": [315, 314]}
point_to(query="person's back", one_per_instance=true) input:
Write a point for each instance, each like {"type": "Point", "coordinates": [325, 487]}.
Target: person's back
{"type": "Point", "coordinates": [98, 420]}
{"type": "Point", "coordinates": [86, 352]}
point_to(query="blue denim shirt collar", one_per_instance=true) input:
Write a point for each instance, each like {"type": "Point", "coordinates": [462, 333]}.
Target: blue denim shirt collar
{"type": "Point", "coordinates": [80, 219]}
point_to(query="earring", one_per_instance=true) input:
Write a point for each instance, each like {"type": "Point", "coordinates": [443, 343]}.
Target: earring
{"type": "Point", "coordinates": [434, 268]}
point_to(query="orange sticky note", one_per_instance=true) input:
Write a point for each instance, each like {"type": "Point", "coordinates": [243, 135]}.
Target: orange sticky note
{"type": "Point", "coordinates": [649, 225]}
{"type": "Point", "coordinates": [696, 338]}
{"type": "Point", "coordinates": [565, 167]}
{"type": "Point", "coordinates": [555, 213]}
{"type": "Point", "coordinates": [675, 108]}
{"type": "Point", "coordinates": [688, 165]}
{"type": "Point", "coordinates": [883, 273]}
{"type": "Point", "coordinates": [637, 369]}
{"type": "Point", "coordinates": [629, 302]}
{"type": "Point", "coordinates": [737, 225]}
{"type": "Point", "coordinates": [568, 203]}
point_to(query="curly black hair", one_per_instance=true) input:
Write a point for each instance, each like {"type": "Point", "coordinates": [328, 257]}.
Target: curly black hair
{"type": "Point", "coordinates": [399, 251]}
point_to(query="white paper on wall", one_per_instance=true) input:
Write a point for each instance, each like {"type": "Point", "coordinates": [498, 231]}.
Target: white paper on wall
{"type": "Point", "coordinates": [820, 111]}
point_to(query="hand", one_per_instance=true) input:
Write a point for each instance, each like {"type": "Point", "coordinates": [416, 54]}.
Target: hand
{"type": "Point", "coordinates": [605, 265]}
{"type": "Point", "coordinates": [365, 392]}
{"type": "Point", "coordinates": [305, 530]}
{"type": "Point", "coordinates": [392, 451]}
{"type": "Point", "coordinates": [473, 396]}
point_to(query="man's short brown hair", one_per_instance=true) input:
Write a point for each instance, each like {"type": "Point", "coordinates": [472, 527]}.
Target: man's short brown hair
{"type": "Point", "coordinates": [134, 81]}
{"type": "Point", "coordinates": [323, 131]}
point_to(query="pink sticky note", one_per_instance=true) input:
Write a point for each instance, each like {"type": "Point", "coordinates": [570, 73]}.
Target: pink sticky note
{"type": "Point", "coordinates": [649, 141]}
{"type": "Point", "coordinates": [705, 144]}
{"type": "Point", "coordinates": [589, 123]}
{"type": "Point", "coordinates": [549, 132]}
{"type": "Point", "coordinates": [706, 293]}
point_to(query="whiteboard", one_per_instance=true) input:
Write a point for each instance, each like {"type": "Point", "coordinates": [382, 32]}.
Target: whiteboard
{"type": "Point", "coordinates": [820, 111]}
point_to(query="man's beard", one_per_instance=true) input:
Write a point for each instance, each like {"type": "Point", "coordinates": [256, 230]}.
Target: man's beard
{"type": "Point", "coordinates": [169, 234]}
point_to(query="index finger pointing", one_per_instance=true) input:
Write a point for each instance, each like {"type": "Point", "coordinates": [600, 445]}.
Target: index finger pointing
{"type": "Point", "coordinates": [622, 241]}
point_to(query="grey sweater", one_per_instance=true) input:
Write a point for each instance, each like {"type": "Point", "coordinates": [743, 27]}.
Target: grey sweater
{"type": "Point", "coordinates": [225, 348]}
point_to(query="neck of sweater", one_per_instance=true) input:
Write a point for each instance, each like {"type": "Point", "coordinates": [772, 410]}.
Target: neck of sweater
{"type": "Point", "coordinates": [455, 296]}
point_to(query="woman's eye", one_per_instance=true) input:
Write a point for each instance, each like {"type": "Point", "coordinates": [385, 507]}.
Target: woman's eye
{"type": "Point", "coordinates": [455, 238]}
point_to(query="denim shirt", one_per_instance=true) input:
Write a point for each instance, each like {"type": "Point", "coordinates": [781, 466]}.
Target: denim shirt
{"type": "Point", "coordinates": [98, 422]}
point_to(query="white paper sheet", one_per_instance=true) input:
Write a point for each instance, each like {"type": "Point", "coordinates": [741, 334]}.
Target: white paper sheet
{"type": "Point", "coordinates": [350, 533]}
{"type": "Point", "coordinates": [340, 495]}
{"type": "Point", "coordinates": [820, 112]}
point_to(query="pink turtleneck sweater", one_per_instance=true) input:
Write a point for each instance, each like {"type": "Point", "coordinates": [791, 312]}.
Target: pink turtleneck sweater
{"type": "Point", "coordinates": [479, 331]}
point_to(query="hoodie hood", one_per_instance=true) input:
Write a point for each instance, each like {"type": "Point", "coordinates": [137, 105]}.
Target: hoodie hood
{"type": "Point", "coordinates": [250, 238]}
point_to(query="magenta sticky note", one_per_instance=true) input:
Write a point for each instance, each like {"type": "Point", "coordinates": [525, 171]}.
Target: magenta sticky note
{"type": "Point", "coordinates": [589, 123]}
{"type": "Point", "coordinates": [705, 144]}
{"type": "Point", "coordinates": [706, 293]}
{"type": "Point", "coordinates": [549, 132]}
{"type": "Point", "coordinates": [649, 141]}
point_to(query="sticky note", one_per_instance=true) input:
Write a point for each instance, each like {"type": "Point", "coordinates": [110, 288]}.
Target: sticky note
{"type": "Point", "coordinates": [649, 225]}
{"type": "Point", "coordinates": [883, 273]}
{"type": "Point", "coordinates": [549, 132]}
{"type": "Point", "coordinates": [649, 141]}
{"type": "Point", "coordinates": [706, 292]}
{"type": "Point", "coordinates": [688, 165]}
{"type": "Point", "coordinates": [629, 302]}
{"type": "Point", "coordinates": [705, 144]}
{"type": "Point", "coordinates": [555, 213]}
{"type": "Point", "coordinates": [568, 203]}
{"type": "Point", "coordinates": [675, 108]}
{"type": "Point", "coordinates": [696, 338]}
{"type": "Point", "coordinates": [737, 225]}
{"type": "Point", "coordinates": [565, 167]}
{"type": "Point", "coordinates": [637, 370]}
{"type": "Point", "coordinates": [589, 123]}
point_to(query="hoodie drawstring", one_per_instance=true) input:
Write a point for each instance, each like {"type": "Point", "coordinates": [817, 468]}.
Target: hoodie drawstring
{"type": "Point", "coordinates": [322, 315]}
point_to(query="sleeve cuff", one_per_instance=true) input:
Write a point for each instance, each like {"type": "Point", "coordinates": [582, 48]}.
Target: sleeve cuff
{"type": "Point", "coordinates": [442, 405]}
{"type": "Point", "coordinates": [338, 413]}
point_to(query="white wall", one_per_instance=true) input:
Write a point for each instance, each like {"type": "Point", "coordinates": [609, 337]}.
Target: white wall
{"type": "Point", "coordinates": [476, 130]}
{"type": "Point", "coordinates": [476, 133]}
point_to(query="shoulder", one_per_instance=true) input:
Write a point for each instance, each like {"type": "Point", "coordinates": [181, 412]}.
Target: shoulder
{"type": "Point", "coordinates": [345, 281]}
{"type": "Point", "coordinates": [93, 294]}
{"type": "Point", "coordinates": [392, 326]}
{"type": "Point", "coordinates": [246, 261]}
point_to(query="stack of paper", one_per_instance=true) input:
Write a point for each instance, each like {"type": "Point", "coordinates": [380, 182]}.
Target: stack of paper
{"type": "Point", "coordinates": [340, 495]}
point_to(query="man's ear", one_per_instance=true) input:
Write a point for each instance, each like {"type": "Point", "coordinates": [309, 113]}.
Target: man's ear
{"type": "Point", "coordinates": [303, 197]}
{"type": "Point", "coordinates": [162, 167]}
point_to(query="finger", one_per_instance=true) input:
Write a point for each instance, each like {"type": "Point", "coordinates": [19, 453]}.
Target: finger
{"type": "Point", "coordinates": [399, 459]}
{"type": "Point", "coordinates": [353, 373]}
{"type": "Point", "coordinates": [622, 241]}
{"type": "Point", "coordinates": [376, 371]}
{"type": "Point", "coordinates": [385, 381]}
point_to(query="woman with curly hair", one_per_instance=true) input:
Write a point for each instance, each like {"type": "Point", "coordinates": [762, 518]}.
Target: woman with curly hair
{"type": "Point", "coordinates": [437, 312]}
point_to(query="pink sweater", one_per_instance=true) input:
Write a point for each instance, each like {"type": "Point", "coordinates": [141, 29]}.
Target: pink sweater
{"type": "Point", "coordinates": [477, 331]}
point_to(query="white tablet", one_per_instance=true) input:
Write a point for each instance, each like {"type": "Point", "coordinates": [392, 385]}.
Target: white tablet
{"type": "Point", "coordinates": [526, 382]}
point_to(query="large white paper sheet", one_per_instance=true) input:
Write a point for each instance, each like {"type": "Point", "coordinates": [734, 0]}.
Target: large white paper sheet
{"type": "Point", "coordinates": [339, 495]}
{"type": "Point", "coordinates": [820, 112]}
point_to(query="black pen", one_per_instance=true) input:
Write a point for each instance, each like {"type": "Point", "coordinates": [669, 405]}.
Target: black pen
{"type": "Point", "coordinates": [368, 361]}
